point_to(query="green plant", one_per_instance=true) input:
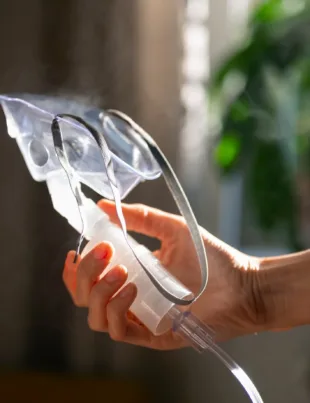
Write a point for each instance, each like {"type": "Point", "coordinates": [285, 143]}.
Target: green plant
{"type": "Point", "coordinates": [261, 97]}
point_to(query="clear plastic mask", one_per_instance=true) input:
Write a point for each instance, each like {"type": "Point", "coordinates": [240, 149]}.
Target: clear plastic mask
{"type": "Point", "coordinates": [29, 119]}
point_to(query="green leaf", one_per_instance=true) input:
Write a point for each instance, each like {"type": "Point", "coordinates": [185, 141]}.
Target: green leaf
{"type": "Point", "coordinates": [267, 120]}
{"type": "Point", "coordinates": [238, 63]}
{"type": "Point", "coordinates": [227, 150]}
{"type": "Point", "coordinates": [269, 11]}
{"type": "Point", "coordinates": [240, 111]}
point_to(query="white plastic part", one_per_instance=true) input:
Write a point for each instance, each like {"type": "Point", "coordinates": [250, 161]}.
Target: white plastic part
{"type": "Point", "coordinates": [150, 307]}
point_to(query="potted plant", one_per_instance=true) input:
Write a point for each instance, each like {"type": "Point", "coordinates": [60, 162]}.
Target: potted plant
{"type": "Point", "coordinates": [260, 99]}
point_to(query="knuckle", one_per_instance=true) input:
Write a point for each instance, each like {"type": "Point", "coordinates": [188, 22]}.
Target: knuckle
{"type": "Point", "coordinates": [82, 271]}
{"type": "Point", "coordinates": [88, 271]}
{"type": "Point", "coordinates": [117, 321]}
{"type": "Point", "coordinates": [97, 295]}
{"type": "Point", "coordinates": [112, 312]}
{"type": "Point", "coordinates": [92, 324]}
{"type": "Point", "coordinates": [138, 206]}
{"type": "Point", "coordinates": [141, 209]}
{"type": "Point", "coordinates": [144, 212]}
{"type": "Point", "coordinates": [116, 336]}
{"type": "Point", "coordinates": [78, 302]}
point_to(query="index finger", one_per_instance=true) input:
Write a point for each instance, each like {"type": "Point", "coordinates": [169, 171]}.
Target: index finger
{"type": "Point", "coordinates": [143, 219]}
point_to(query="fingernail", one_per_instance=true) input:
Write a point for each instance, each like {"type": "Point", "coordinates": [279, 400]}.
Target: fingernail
{"type": "Point", "coordinates": [101, 252]}
{"type": "Point", "coordinates": [126, 291]}
{"type": "Point", "coordinates": [113, 276]}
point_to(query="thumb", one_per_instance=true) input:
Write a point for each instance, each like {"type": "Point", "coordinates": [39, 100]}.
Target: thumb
{"type": "Point", "coordinates": [143, 219]}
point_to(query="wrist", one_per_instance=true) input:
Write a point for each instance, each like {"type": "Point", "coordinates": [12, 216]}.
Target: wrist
{"type": "Point", "coordinates": [284, 284]}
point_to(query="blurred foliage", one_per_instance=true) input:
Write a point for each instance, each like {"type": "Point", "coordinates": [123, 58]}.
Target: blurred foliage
{"type": "Point", "coordinates": [260, 98]}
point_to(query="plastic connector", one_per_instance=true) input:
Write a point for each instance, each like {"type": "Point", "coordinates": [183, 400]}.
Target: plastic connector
{"type": "Point", "coordinates": [199, 335]}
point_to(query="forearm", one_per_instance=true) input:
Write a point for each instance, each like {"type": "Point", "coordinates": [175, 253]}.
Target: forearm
{"type": "Point", "coordinates": [285, 290]}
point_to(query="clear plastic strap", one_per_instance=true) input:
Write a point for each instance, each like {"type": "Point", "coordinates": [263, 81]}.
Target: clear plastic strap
{"type": "Point", "coordinates": [169, 176]}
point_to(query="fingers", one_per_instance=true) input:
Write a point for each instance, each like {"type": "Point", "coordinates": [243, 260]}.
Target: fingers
{"type": "Point", "coordinates": [108, 306]}
{"type": "Point", "coordinates": [117, 311]}
{"type": "Point", "coordinates": [108, 313]}
{"type": "Point", "coordinates": [89, 270]}
{"type": "Point", "coordinates": [100, 295]}
{"type": "Point", "coordinates": [143, 219]}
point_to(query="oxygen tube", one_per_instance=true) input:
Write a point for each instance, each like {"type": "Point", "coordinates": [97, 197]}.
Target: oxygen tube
{"type": "Point", "coordinates": [189, 327]}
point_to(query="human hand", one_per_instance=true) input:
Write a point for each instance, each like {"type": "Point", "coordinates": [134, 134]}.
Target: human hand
{"type": "Point", "coordinates": [231, 304]}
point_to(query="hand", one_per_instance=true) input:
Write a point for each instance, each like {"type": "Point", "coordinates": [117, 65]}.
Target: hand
{"type": "Point", "coordinates": [231, 304]}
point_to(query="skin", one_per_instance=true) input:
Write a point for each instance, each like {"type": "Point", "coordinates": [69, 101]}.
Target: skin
{"type": "Point", "coordinates": [244, 295]}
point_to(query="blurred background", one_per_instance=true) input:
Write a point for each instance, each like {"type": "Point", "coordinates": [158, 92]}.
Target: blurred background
{"type": "Point", "coordinates": [223, 87]}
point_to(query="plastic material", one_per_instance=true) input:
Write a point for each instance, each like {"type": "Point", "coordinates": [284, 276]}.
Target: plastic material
{"type": "Point", "coordinates": [29, 119]}
{"type": "Point", "coordinates": [201, 338]}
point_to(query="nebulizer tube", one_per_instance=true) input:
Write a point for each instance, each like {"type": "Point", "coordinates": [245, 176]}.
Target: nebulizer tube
{"type": "Point", "coordinates": [161, 299]}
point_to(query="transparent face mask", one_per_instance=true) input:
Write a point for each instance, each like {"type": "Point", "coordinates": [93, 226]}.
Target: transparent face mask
{"type": "Point", "coordinates": [29, 120]}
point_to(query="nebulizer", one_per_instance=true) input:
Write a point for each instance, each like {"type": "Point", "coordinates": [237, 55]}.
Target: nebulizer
{"type": "Point", "coordinates": [68, 144]}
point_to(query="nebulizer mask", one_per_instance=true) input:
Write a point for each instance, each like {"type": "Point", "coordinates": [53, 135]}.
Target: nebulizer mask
{"type": "Point", "coordinates": [66, 144]}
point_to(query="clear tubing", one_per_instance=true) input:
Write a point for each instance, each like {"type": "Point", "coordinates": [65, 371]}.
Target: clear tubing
{"type": "Point", "coordinates": [201, 337]}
